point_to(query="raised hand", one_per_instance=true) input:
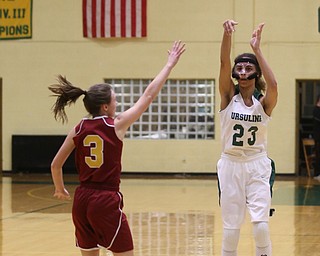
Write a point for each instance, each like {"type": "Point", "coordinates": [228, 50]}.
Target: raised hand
{"type": "Point", "coordinates": [174, 54]}
{"type": "Point", "coordinates": [256, 37]}
{"type": "Point", "coordinates": [229, 26]}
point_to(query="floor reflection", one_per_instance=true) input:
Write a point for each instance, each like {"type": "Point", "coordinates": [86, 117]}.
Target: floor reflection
{"type": "Point", "coordinates": [161, 233]}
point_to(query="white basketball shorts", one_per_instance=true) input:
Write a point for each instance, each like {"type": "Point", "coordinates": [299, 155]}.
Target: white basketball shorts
{"type": "Point", "coordinates": [244, 185]}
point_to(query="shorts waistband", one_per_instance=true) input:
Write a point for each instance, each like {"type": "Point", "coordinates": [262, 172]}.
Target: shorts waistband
{"type": "Point", "coordinates": [244, 158]}
{"type": "Point", "coordinates": [99, 186]}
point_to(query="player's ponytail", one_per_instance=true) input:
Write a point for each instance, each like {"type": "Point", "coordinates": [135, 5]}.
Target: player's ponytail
{"type": "Point", "coordinates": [66, 94]}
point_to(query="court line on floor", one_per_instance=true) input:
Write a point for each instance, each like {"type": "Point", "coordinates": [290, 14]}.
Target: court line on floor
{"type": "Point", "coordinates": [33, 211]}
{"type": "Point", "coordinates": [31, 191]}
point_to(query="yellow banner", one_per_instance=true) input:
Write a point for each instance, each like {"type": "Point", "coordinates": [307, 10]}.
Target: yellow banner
{"type": "Point", "coordinates": [15, 19]}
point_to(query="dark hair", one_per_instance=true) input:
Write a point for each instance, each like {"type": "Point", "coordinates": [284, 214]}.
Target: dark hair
{"type": "Point", "coordinates": [67, 94]}
{"type": "Point", "coordinates": [249, 57]}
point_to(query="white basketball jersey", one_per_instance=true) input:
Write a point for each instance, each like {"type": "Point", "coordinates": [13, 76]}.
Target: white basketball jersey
{"type": "Point", "coordinates": [243, 128]}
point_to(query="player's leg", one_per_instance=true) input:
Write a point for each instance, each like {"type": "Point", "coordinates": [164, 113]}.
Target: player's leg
{"type": "Point", "coordinates": [110, 222]}
{"type": "Point", "coordinates": [128, 253]}
{"type": "Point", "coordinates": [232, 202]}
{"type": "Point", "coordinates": [230, 242]}
{"type": "Point", "coordinates": [259, 202]}
{"type": "Point", "coordinates": [262, 238]}
{"type": "Point", "coordinates": [85, 237]}
{"type": "Point", "coordinates": [90, 253]}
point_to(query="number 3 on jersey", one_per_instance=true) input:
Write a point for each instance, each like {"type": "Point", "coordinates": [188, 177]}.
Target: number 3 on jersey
{"type": "Point", "coordinates": [239, 132]}
{"type": "Point", "coordinates": [95, 160]}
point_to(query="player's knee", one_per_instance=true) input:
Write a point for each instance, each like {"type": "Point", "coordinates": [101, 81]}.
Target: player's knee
{"type": "Point", "coordinates": [230, 239]}
{"type": "Point", "coordinates": [261, 234]}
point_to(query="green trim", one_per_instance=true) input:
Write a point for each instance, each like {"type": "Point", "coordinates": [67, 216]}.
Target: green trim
{"type": "Point", "coordinates": [257, 94]}
{"type": "Point", "coordinates": [272, 176]}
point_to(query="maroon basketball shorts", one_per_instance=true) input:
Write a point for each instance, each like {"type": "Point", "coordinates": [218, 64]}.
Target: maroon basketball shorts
{"type": "Point", "coordinates": [99, 220]}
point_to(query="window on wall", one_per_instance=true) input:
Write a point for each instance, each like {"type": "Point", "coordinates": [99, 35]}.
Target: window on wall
{"type": "Point", "coordinates": [184, 109]}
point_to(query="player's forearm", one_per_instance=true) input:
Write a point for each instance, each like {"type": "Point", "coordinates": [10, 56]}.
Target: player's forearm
{"type": "Point", "coordinates": [57, 178]}
{"type": "Point", "coordinates": [266, 69]}
{"type": "Point", "coordinates": [225, 49]}
{"type": "Point", "coordinates": [157, 83]}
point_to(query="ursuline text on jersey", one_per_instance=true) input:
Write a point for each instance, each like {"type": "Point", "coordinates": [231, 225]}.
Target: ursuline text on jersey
{"type": "Point", "coordinates": [246, 117]}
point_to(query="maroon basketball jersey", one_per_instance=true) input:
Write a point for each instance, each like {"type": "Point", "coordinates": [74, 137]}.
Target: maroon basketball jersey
{"type": "Point", "coordinates": [98, 153]}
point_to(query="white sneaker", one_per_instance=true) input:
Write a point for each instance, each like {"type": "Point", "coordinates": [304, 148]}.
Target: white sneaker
{"type": "Point", "coordinates": [317, 177]}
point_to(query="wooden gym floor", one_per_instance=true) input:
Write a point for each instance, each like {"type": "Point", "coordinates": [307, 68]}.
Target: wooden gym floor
{"type": "Point", "coordinates": [168, 216]}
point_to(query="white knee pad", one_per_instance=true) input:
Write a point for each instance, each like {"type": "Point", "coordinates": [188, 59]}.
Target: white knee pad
{"type": "Point", "coordinates": [230, 240]}
{"type": "Point", "coordinates": [261, 234]}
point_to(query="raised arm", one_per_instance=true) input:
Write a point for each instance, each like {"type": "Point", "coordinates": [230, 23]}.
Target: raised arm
{"type": "Point", "coordinates": [125, 119]}
{"type": "Point", "coordinates": [269, 100]}
{"type": "Point", "coordinates": [226, 86]}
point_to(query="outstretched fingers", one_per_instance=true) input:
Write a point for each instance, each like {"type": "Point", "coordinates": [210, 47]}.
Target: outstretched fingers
{"type": "Point", "coordinates": [257, 32]}
{"type": "Point", "coordinates": [178, 48]}
{"type": "Point", "coordinates": [256, 36]}
{"type": "Point", "coordinates": [260, 26]}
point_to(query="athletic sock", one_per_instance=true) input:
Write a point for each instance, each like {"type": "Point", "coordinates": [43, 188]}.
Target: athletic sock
{"type": "Point", "coordinates": [263, 251]}
{"type": "Point", "coordinates": [226, 253]}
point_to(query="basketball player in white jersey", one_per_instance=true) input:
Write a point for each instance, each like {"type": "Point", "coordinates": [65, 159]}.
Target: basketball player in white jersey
{"type": "Point", "coordinates": [244, 169]}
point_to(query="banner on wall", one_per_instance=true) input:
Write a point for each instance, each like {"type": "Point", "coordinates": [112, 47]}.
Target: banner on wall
{"type": "Point", "coordinates": [114, 18]}
{"type": "Point", "coordinates": [15, 19]}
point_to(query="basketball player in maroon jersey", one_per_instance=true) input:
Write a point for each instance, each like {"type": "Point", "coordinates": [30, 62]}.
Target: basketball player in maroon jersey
{"type": "Point", "coordinates": [97, 207]}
